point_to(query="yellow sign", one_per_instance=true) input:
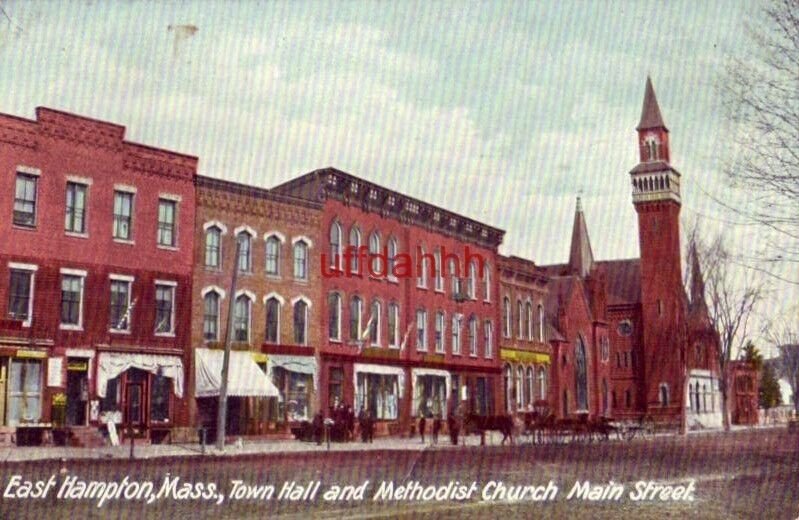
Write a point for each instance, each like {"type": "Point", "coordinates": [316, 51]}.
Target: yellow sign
{"type": "Point", "coordinates": [38, 354]}
{"type": "Point", "coordinates": [523, 356]}
{"type": "Point", "coordinates": [78, 366]}
{"type": "Point", "coordinates": [259, 357]}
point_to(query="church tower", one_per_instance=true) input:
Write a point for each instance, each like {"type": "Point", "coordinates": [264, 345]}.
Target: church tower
{"type": "Point", "coordinates": [656, 196]}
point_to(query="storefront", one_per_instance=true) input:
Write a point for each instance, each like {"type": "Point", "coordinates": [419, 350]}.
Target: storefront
{"type": "Point", "coordinates": [524, 379]}
{"type": "Point", "coordinates": [378, 389]}
{"type": "Point", "coordinates": [296, 379]}
{"type": "Point", "coordinates": [431, 389]}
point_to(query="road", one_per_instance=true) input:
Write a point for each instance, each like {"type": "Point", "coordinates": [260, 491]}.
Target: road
{"type": "Point", "coordinates": [736, 475]}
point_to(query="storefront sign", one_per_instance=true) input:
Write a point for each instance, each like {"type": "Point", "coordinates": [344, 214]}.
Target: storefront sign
{"type": "Point", "coordinates": [78, 366]}
{"type": "Point", "coordinates": [37, 354]}
{"type": "Point", "coordinates": [259, 357]}
{"type": "Point", "coordinates": [523, 356]}
{"type": "Point", "coordinates": [54, 376]}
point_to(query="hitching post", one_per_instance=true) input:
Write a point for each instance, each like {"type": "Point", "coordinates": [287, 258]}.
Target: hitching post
{"type": "Point", "coordinates": [221, 416]}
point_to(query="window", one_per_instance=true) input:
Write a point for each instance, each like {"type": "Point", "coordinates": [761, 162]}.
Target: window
{"type": "Point", "coordinates": [301, 260]}
{"type": "Point", "coordinates": [664, 395]}
{"type": "Point", "coordinates": [71, 301]}
{"type": "Point", "coordinates": [540, 322]}
{"type": "Point", "coordinates": [355, 244]}
{"type": "Point", "coordinates": [456, 334]}
{"type": "Point", "coordinates": [628, 399]}
{"type": "Point", "coordinates": [519, 318]}
{"type": "Point", "coordinates": [301, 322]}
{"type": "Point", "coordinates": [164, 309]}
{"type": "Point", "coordinates": [24, 391]}
{"type": "Point", "coordinates": [392, 257]}
{"type": "Point", "coordinates": [605, 349]}
{"type": "Point", "coordinates": [273, 255]}
{"type": "Point", "coordinates": [242, 315]}
{"type": "Point", "coordinates": [393, 325]}
{"type": "Point", "coordinates": [335, 386]}
{"type": "Point", "coordinates": [506, 317]}
{"type": "Point", "coordinates": [439, 278]}
{"type": "Point", "coordinates": [472, 337]}
{"type": "Point", "coordinates": [454, 274]}
{"type": "Point", "coordinates": [528, 321]}
{"type": "Point", "coordinates": [25, 200]}
{"type": "Point", "coordinates": [421, 330]}
{"type": "Point", "coordinates": [530, 386]}
{"type": "Point", "coordinates": [272, 334]}
{"type": "Point", "coordinates": [488, 338]}
{"type": "Point", "coordinates": [20, 295]}
{"type": "Point", "coordinates": [123, 215]}
{"type": "Point", "coordinates": [166, 222]}
{"type": "Point", "coordinates": [110, 403]}
{"type": "Point", "coordinates": [75, 217]}
{"type": "Point", "coordinates": [519, 388]}
{"type": "Point", "coordinates": [375, 263]}
{"type": "Point", "coordinates": [439, 340]}
{"type": "Point", "coordinates": [159, 398]}
{"type": "Point", "coordinates": [508, 377]}
{"type": "Point", "coordinates": [213, 239]}
{"type": "Point", "coordinates": [486, 283]}
{"type": "Point", "coordinates": [119, 317]}
{"type": "Point", "coordinates": [334, 316]}
{"type": "Point", "coordinates": [211, 316]}
{"type": "Point", "coordinates": [581, 375]}
{"type": "Point", "coordinates": [374, 324]}
{"type": "Point", "coordinates": [245, 252]}
{"type": "Point", "coordinates": [356, 308]}
{"type": "Point", "coordinates": [421, 266]}
{"type": "Point", "coordinates": [472, 287]}
{"type": "Point", "coordinates": [542, 382]}
{"type": "Point", "coordinates": [335, 245]}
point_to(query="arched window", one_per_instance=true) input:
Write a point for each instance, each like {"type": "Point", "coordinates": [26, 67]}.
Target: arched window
{"type": "Point", "coordinates": [664, 394]}
{"type": "Point", "coordinates": [454, 273]}
{"type": "Point", "coordinates": [506, 317]}
{"type": "Point", "coordinates": [273, 255]}
{"type": "Point", "coordinates": [393, 325]}
{"type": "Point", "coordinates": [242, 318]}
{"type": "Point", "coordinates": [300, 322]}
{"type": "Point", "coordinates": [581, 375]}
{"type": "Point", "coordinates": [486, 282]}
{"type": "Point", "coordinates": [704, 397]}
{"type": "Point", "coordinates": [213, 240]}
{"type": "Point", "coordinates": [300, 260]}
{"type": "Point", "coordinates": [355, 243]}
{"type": "Point", "coordinates": [605, 404]}
{"type": "Point", "coordinates": [488, 339]}
{"type": "Point", "coordinates": [374, 323]}
{"type": "Point", "coordinates": [456, 334]}
{"type": "Point", "coordinates": [439, 273]}
{"type": "Point", "coordinates": [375, 263]}
{"type": "Point", "coordinates": [211, 316]}
{"type": "Point", "coordinates": [540, 322]}
{"type": "Point", "coordinates": [422, 267]}
{"type": "Point", "coordinates": [519, 388]}
{"type": "Point", "coordinates": [439, 331]}
{"type": "Point", "coordinates": [507, 374]}
{"type": "Point", "coordinates": [542, 383]}
{"type": "Point", "coordinates": [519, 318]}
{"type": "Point", "coordinates": [334, 316]}
{"type": "Point", "coordinates": [356, 307]}
{"type": "Point", "coordinates": [472, 335]}
{"type": "Point", "coordinates": [272, 320]}
{"type": "Point", "coordinates": [528, 320]}
{"type": "Point", "coordinates": [245, 252]}
{"type": "Point", "coordinates": [335, 245]}
{"type": "Point", "coordinates": [530, 386]}
{"type": "Point", "coordinates": [472, 287]}
{"type": "Point", "coordinates": [392, 257]}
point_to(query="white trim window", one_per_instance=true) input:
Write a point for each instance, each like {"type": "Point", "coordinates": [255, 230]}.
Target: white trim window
{"type": "Point", "coordinates": [421, 330]}
{"type": "Point", "coordinates": [457, 321]}
{"type": "Point", "coordinates": [392, 258]}
{"type": "Point", "coordinates": [439, 275]}
{"type": "Point", "coordinates": [120, 311]}
{"type": "Point", "coordinates": [272, 333]}
{"type": "Point", "coordinates": [541, 322]}
{"type": "Point", "coordinates": [472, 335]}
{"type": "Point", "coordinates": [301, 260]}
{"type": "Point", "coordinates": [334, 316]}
{"type": "Point", "coordinates": [165, 309]}
{"type": "Point", "coordinates": [528, 320]}
{"type": "Point", "coordinates": [440, 332]}
{"type": "Point", "coordinates": [393, 325]}
{"type": "Point", "coordinates": [75, 208]}
{"type": "Point", "coordinates": [300, 309]}
{"type": "Point", "coordinates": [273, 244]}
{"type": "Point", "coordinates": [123, 215]}
{"type": "Point", "coordinates": [488, 339]}
{"type": "Point", "coordinates": [242, 318]}
{"type": "Point", "coordinates": [506, 317]}
{"type": "Point", "coordinates": [72, 285]}
{"type": "Point", "coordinates": [211, 315]}
{"type": "Point", "coordinates": [375, 261]}
{"type": "Point", "coordinates": [472, 282]}
{"type": "Point", "coordinates": [355, 244]}
{"type": "Point", "coordinates": [421, 265]}
{"type": "Point", "coordinates": [374, 326]}
{"type": "Point", "coordinates": [519, 320]}
{"type": "Point", "coordinates": [25, 196]}
{"type": "Point", "coordinates": [167, 222]}
{"type": "Point", "coordinates": [20, 292]}
{"type": "Point", "coordinates": [244, 238]}
{"type": "Point", "coordinates": [486, 282]}
{"type": "Point", "coordinates": [356, 311]}
{"type": "Point", "coordinates": [335, 245]}
{"type": "Point", "coordinates": [213, 247]}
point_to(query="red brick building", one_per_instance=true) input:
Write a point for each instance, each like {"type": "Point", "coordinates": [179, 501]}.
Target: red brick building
{"type": "Point", "coordinates": [278, 312]}
{"type": "Point", "coordinates": [403, 343]}
{"type": "Point", "coordinates": [96, 249]}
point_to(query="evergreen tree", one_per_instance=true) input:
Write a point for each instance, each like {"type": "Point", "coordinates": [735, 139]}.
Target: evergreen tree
{"type": "Point", "coordinates": [769, 394]}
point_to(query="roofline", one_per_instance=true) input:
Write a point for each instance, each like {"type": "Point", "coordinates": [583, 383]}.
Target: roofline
{"type": "Point", "coordinates": [252, 191]}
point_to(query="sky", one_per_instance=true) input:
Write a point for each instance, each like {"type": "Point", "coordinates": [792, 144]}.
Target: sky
{"type": "Point", "coordinates": [502, 111]}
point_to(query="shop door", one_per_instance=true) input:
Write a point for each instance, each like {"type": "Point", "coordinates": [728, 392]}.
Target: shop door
{"type": "Point", "coordinates": [77, 392]}
{"type": "Point", "coordinates": [134, 405]}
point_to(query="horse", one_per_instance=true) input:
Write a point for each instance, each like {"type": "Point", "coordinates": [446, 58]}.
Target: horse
{"type": "Point", "coordinates": [481, 423]}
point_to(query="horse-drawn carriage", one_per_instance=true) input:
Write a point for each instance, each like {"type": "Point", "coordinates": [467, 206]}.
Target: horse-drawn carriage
{"type": "Point", "coordinates": [543, 427]}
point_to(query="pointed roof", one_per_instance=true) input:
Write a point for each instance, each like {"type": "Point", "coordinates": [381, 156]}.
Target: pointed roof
{"type": "Point", "coordinates": [581, 258]}
{"type": "Point", "coordinates": [697, 282]}
{"type": "Point", "coordinates": [650, 111]}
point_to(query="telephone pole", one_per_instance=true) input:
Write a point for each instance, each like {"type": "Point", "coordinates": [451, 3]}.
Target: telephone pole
{"type": "Point", "coordinates": [221, 415]}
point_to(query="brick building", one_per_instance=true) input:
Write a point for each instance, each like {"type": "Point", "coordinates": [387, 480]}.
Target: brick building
{"type": "Point", "coordinates": [95, 278]}
{"type": "Point", "coordinates": [525, 334]}
{"type": "Point", "coordinates": [278, 310]}
{"type": "Point", "coordinates": [402, 338]}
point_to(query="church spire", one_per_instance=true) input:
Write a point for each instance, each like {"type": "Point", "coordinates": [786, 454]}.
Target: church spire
{"type": "Point", "coordinates": [581, 258]}
{"type": "Point", "coordinates": [697, 280]}
{"type": "Point", "coordinates": [650, 111]}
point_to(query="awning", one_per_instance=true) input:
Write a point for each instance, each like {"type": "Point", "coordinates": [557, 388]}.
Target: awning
{"type": "Point", "coordinates": [111, 364]}
{"type": "Point", "coordinates": [365, 368]}
{"type": "Point", "coordinates": [523, 356]}
{"type": "Point", "coordinates": [245, 378]}
{"type": "Point", "coordinates": [296, 364]}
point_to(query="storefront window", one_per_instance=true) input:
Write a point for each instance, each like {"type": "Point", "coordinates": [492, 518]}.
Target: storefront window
{"type": "Point", "coordinates": [159, 399]}
{"type": "Point", "coordinates": [431, 396]}
{"type": "Point", "coordinates": [378, 393]}
{"type": "Point", "coordinates": [110, 403]}
{"type": "Point", "coordinates": [335, 386]}
{"type": "Point", "coordinates": [296, 389]}
{"type": "Point", "coordinates": [24, 391]}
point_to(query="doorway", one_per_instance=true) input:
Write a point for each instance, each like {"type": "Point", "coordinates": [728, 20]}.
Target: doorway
{"type": "Point", "coordinates": [77, 391]}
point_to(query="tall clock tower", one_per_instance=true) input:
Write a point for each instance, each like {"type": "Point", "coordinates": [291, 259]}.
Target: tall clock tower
{"type": "Point", "coordinates": [656, 196]}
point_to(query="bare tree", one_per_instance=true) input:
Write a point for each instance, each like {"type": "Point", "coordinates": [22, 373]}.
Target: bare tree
{"type": "Point", "coordinates": [761, 97]}
{"type": "Point", "coordinates": [732, 293]}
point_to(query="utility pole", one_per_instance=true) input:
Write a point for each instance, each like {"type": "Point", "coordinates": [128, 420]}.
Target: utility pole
{"type": "Point", "coordinates": [221, 416]}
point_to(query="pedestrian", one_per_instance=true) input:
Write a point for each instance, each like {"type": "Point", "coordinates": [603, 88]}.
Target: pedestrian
{"type": "Point", "coordinates": [363, 424]}
{"type": "Point", "coordinates": [370, 425]}
{"type": "Point", "coordinates": [318, 427]}
{"type": "Point", "coordinates": [454, 428]}
{"type": "Point", "coordinates": [436, 427]}
{"type": "Point", "coordinates": [422, 425]}
{"type": "Point", "coordinates": [349, 418]}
